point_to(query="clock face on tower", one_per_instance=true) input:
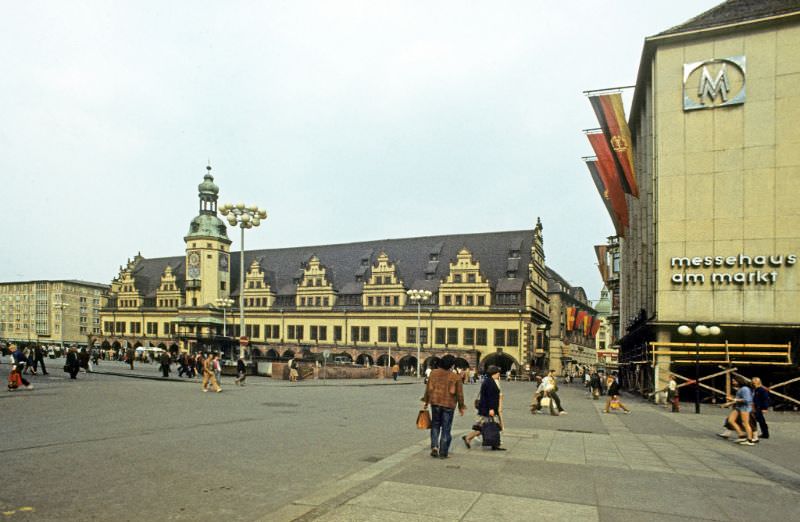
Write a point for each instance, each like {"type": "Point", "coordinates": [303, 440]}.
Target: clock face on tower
{"type": "Point", "coordinates": [193, 265]}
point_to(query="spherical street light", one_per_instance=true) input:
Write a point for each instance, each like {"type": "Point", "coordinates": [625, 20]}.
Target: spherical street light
{"type": "Point", "coordinates": [702, 331]}
{"type": "Point", "coordinates": [419, 296]}
{"type": "Point", "coordinates": [685, 330]}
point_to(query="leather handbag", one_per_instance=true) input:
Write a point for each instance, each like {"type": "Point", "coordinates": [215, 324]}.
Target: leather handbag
{"type": "Point", "coordinates": [423, 420]}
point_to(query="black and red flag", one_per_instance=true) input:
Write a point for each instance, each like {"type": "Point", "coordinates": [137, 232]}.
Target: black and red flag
{"type": "Point", "coordinates": [611, 116]}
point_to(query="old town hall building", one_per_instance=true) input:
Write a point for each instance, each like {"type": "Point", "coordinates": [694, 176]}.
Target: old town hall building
{"type": "Point", "coordinates": [489, 297]}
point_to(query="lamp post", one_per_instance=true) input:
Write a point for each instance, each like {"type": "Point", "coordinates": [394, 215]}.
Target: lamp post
{"type": "Point", "coordinates": [226, 304]}
{"type": "Point", "coordinates": [245, 216]}
{"type": "Point", "coordinates": [61, 306]}
{"type": "Point", "coordinates": [703, 331]}
{"type": "Point", "coordinates": [419, 297]}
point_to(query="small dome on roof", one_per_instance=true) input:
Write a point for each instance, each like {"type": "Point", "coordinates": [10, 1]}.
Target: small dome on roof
{"type": "Point", "coordinates": [208, 186]}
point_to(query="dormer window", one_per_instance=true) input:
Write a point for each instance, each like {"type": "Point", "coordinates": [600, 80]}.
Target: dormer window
{"type": "Point", "coordinates": [470, 278]}
{"type": "Point", "coordinates": [433, 257]}
{"type": "Point", "coordinates": [364, 261]}
{"type": "Point", "coordinates": [359, 279]}
{"type": "Point", "coordinates": [457, 278]}
{"type": "Point", "coordinates": [514, 254]}
{"type": "Point", "coordinates": [511, 274]}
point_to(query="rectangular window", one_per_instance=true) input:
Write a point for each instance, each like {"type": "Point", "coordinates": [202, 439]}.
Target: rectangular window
{"type": "Point", "coordinates": [354, 331]}
{"type": "Point", "coordinates": [323, 333]}
{"type": "Point", "coordinates": [393, 334]}
{"type": "Point", "coordinates": [458, 300]}
{"type": "Point", "coordinates": [512, 336]}
{"type": "Point", "coordinates": [222, 285]}
{"type": "Point", "coordinates": [267, 331]}
{"type": "Point", "coordinates": [298, 329]}
{"type": "Point", "coordinates": [440, 333]}
{"type": "Point", "coordinates": [452, 336]}
{"type": "Point", "coordinates": [365, 333]}
{"type": "Point", "coordinates": [469, 336]}
{"type": "Point", "coordinates": [387, 300]}
{"type": "Point", "coordinates": [276, 332]}
{"type": "Point", "coordinates": [499, 337]}
{"type": "Point", "coordinates": [481, 300]}
{"type": "Point", "coordinates": [411, 335]}
{"type": "Point", "coordinates": [290, 332]}
{"type": "Point", "coordinates": [337, 333]}
{"type": "Point", "coordinates": [396, 300]}
{"type": "Point", "coordinates": [457, 278]}
{"type": "Point", "coordinates": [447, 300]}
{"type": "Point", "coordinates": [382, 334]}
{"type": "Point", "coordinates": [324, 301]}
{"type": "Point", "coordinates": [469, 300]}
{"type": "Point", "coordinates": [369, 301]}
{"type": "Point", "coordinates": [136, 328]}
{"type": "Point", "coordinates": [302, 301]}
{"type": "Point", "coordinates": [423, 335]}
{"type": "Point", "coordinates": [317, 301]}
{"type": "Point", "coordinates": [313, 333]}
{"type": "Point", "coordinates": [470, 278]}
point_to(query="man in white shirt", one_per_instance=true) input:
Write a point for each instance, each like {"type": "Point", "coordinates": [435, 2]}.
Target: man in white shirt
{"type": "Point", "coordinates": [551, 390]}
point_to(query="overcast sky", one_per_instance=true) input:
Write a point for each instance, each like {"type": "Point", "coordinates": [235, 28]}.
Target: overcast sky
{"type": "Point", "coordinates": [347, 121]}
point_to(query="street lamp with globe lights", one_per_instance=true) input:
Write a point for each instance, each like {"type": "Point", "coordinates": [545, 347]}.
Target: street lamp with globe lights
{"type": "Point", "coordinates": [226, 304]}
{"type": "Point", "coordinates": [419, 297]}
{"type": "Point", "coordinates": [61, 306]}
{"type": "Point", "coordinates": [702, 331]}
{"type": "Point", "coordinates": [243, 216]}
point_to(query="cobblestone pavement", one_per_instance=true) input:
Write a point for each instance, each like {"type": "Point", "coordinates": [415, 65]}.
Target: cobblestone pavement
{"type": "Point", "coordinates": [109, 447]}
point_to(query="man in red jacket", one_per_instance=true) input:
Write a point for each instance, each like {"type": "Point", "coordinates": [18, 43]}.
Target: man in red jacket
{"type": "Point", "coordinates": [444, 392]}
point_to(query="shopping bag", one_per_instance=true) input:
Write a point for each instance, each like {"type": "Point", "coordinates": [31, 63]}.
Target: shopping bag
{"type": "Point", "coordinates": [423, 420]}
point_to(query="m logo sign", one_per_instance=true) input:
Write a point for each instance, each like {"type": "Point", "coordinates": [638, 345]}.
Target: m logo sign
{"type": "Point", "coordinates": [714, 83]}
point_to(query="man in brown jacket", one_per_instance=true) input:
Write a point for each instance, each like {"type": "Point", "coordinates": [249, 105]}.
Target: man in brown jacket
{"type": "Point", "coordinates": [443, 392]}
{"type": "Point", "coordinates": [208, 375]}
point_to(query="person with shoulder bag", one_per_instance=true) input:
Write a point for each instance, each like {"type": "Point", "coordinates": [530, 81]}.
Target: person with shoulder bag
{"type": "Point", "coordinates": [443, 392]}
{"type": "Point", "coordinates": [490, 409]}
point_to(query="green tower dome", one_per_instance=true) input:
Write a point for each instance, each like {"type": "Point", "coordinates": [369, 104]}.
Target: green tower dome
{"type": "Point", "coordinates": [207, 224]}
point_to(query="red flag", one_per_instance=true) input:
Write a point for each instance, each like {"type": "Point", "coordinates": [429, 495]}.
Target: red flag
{"type": "Point", "coordinates": [595, 326]}
{"type": "Point", "coordinates": [591, 164]}
{"type": "Point", "coordinates": [605, 169]}
{"type": "Point", "coordinates": [587, 324]}
{"type": "Point", "coordinates": [611, 116]}
{"type": "Point", "coordinates": [579, 322]}
{"type": "Point", "coordinates": [601, 251]}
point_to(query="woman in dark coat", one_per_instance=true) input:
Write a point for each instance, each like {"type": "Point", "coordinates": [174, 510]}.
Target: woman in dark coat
{"type": "Point", "coordinates": [83, 359]}
{"type": "Point", "coordinates": [73, 365]}
{"type": "Point", "coordinates": [490, 404]}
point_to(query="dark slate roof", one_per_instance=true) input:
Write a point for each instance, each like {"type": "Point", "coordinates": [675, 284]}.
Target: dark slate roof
{"type": "Point", "coordinates": [557, 284]}
{"type": "Point", "coordinates": [735, 11]}
{"type": "Point", "coordinates": [343, 261]}
{"type": "Point", "coordinates": [510, 285]}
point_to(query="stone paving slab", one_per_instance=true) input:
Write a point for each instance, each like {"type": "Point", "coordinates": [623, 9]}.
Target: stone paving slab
{"type": "Point", "coordinates": [575, 474]}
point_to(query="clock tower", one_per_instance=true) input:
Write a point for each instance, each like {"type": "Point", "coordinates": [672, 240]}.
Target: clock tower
{"type": "Point", "coordinates": [207, 250]}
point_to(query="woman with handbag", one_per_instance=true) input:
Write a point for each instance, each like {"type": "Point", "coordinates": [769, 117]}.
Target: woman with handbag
{"type": "Point", "coordinates": [73, 364]}
{"type": "Point", "coordinates": [490, 409]}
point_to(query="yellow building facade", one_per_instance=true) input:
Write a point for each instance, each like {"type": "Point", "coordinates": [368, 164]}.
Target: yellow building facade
{"type": "Point", "coordinates": [489, 299]}
{"type": "Point", "coordinates": [51, 312]}
{"type": "Point", "coordinates": [714, 237]}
